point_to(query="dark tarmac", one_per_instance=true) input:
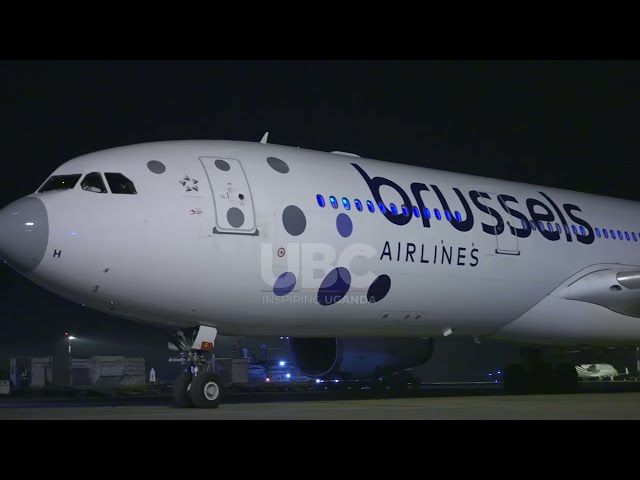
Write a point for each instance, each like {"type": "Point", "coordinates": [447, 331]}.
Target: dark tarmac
{"type": "Point", "coordinates": [427, 404]}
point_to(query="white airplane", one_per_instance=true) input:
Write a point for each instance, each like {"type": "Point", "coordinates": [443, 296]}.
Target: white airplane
{"type": "Point", "coordinates": [362, 263]}
{"type": "Point", "coordinates": [599, 371]}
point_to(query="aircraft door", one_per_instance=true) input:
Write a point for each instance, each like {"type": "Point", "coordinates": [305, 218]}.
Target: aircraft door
{"type": "Point", "coordinates": [232, 199]}
{"type": "Point", "coordinates": [506, 242]}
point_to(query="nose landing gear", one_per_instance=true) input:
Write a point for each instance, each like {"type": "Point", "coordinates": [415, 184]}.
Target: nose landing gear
{"type": "Point", "coordinates": [198, 386]}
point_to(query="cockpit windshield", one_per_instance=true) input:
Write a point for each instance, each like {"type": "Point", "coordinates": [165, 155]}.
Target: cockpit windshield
{"type": "Point", "coordinates": [120, 184]}
{"type": "Point", "coordinates": [60, 182]}
{"type": "Point", "coordinates": [93, 183]}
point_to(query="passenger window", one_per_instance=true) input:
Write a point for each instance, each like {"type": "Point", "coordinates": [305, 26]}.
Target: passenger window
{"type": "Point", "coordinates": [333, 201]}
{"type": "Point", "coordinates": [558, 228]}
{"type": "Point", "coordinates": [604, 232]}
{"type": "Point", "coordinates": [381, 207]}
{"type": "Point", "coordinates": [458, 216]}
{"type": "Point", "coordinates": [575, 230]}
{"type": "Point", "coordinates": [346, 204]}
{"type": "Point", "coordinates": [619, 234]}
{"type": "Point", "coordinates": [533, 226]}
{"type": "Point", "coordinates": [92, 182]}
{"type": "Point", "coordinates": [626, 234]}
{"type": "Point", "coordinates": [541, 226]}
{"type": "Point", "coordinates": [447, 214]}
{"type": "Point", "coordinates": [370, 206]}
{"type": "Point", "coordinates": [320, 200]}
{"type": "Point", "coordinates": [613, 234]}
{"type": "Point", "coordinates": [358, 204]}
{"type": "Point", "coordinates": [583, 232]}
{"type": "Point", "coordinates": [426, 212]}
{"type": "Point", "coordinates": [525, 224]}
{"type": "Point", "coordinates": [393, 209]}
{"type": "Point", "coordinates": [416, 212]}
{"type": "Point", "coordinates": [436, 212]}
{"type": "Point", "coordinates": [635, 238]}
{"type": "Point", "coordinates": [597, 232]}
{"type": "Point", "coordinates": [60, 182]}
{"type": "Point", "coordinates": [118, 183]}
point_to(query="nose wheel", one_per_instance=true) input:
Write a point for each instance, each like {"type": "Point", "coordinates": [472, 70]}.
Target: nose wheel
{"type": "Point", "coordinates": [181, 388]}
{"type": "Point", "coordinates": [198, 386]}
{"type": "Point", "coordinates": [206, 390]}
{"type": "Point", "coordinates": [202, 391]}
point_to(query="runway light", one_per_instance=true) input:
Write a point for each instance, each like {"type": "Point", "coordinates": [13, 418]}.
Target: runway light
{"type": "Point", "coordinates": [336, 381]}
{"type": "Point", "coordinates": [288, 375]}
{"type": "Point", "coordinates": [72, 337]}
{"type": "Point", "coordinates": [282, 363]}
{"type": "Point", "coordinates": [318, 380]}
{"type": "Point", "coordinates": [491, 374]}
{"type": "Point", "coordinates": [29, 224]}
{"type": "Point", "coordinates": [267, 379]}
{"type": "Point", "coordinates": [499, 372]}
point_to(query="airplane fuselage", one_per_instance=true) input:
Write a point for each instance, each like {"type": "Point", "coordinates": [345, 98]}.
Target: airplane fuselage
{"type": "Point", "coordinates": [261, 239]}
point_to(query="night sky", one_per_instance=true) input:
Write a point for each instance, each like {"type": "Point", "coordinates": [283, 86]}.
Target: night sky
{"type": "Point", "coordinates": [566, 124]}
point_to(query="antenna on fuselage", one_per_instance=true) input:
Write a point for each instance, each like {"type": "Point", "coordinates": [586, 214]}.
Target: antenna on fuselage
{"type": "Point", "coordinates": [265, 137]}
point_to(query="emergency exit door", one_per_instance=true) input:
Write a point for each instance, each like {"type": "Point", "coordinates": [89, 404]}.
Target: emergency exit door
{"type": "Point", "coordinates": [506, 242]}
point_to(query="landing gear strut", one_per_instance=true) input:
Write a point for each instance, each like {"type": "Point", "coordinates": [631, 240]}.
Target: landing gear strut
{"type": "Point", "coordinates": [535, 376]}
{"type": "Point", "coordinates": [198, 386]}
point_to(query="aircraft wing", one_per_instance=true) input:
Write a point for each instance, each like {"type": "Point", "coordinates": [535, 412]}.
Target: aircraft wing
{"type": "Point", "coordinates": [617, 289]}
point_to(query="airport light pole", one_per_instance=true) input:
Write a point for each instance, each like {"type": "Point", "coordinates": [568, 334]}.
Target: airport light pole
{"type": "Point", "coordinates": [69, 338]}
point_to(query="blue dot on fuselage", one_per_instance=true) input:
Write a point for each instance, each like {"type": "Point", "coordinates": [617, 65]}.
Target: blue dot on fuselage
{"type": "Point", "coordinates": [284, 284]}
{"type": "Point", "coordinates": [345, 227]}
{"type": "Point", "coordinates": [334, 286]}
{"type": "Point", "coordinates": [379, 288]}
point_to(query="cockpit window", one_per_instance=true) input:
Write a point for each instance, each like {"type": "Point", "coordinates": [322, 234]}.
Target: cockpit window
{"type": "Point", "coordinates": [60, 182]}
{"type": "Point", "coordinates": [93, 183]}
{"type": "Point", "coordinates": [118, 183]}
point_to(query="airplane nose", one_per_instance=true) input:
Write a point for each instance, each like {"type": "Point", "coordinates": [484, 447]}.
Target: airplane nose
{"type": "Point", "coordinates": [24, 233]}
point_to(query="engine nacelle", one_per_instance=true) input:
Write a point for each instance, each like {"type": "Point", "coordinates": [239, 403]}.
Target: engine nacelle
{"type": "Point", "coordinates": [358, 358]}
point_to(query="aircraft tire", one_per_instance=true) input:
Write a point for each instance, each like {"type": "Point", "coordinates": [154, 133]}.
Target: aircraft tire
{"type": "Point", "coordinates": [206, 390]}
{"type": "Point", "coordinates": [181, 396]}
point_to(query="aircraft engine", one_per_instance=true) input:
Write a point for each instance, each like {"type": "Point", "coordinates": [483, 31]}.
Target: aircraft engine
{"type": "Point", "coordinates": [358, 358]}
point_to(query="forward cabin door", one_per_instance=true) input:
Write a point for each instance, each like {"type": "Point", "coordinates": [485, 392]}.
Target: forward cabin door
{"type": "Point", "coordinates": [232, 199]}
